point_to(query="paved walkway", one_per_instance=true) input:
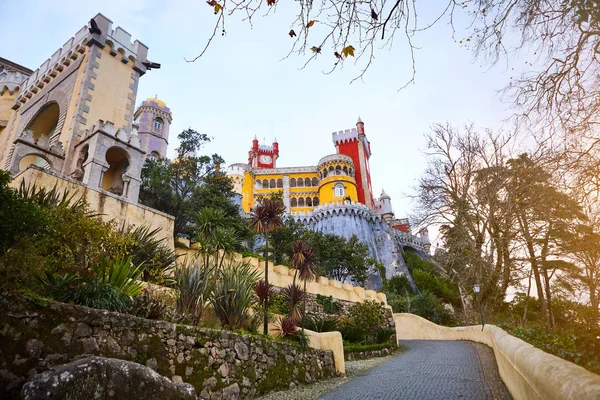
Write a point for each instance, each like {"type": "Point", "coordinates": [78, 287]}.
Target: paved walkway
{"type": "Point", "coordinates": [429, 369]}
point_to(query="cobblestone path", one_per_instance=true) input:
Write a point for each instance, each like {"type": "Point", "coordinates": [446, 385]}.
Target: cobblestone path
{"type": "Point", "coordinates": [429, 370]}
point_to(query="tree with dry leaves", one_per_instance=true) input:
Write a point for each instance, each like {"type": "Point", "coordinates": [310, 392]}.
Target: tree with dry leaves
{"type": "Point", "coordinates": [559, 90]}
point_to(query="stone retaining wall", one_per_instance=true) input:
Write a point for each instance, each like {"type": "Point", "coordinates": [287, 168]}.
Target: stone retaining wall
{"type": "Point", "coordinates": [363, 355]}
{"type": "Point", "coordinates": [35, 336]}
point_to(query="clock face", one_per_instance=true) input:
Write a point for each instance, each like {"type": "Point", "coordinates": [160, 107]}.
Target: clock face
{"type": "Point", "coordinates": [265, 159]}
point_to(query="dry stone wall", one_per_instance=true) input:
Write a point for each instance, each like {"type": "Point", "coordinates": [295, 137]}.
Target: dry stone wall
{"type": "Point", "coordinates": [38, 335]}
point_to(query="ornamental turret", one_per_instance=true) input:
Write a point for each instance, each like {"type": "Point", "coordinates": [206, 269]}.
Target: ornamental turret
{"type": "Point", "coordinates": [153, 119]}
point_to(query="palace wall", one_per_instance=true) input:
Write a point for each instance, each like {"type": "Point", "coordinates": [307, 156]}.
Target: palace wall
{"type": "Point", "coordinates": [108, 205]}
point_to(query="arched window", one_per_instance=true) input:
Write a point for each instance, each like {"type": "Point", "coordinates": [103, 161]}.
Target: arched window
{"type": "Point", "coordinates": [315, 182]}
{"type": "Point", "coordinates": [158, 124]}
{"type": "Point", "coordinates": [309, 202]}
{"type": "Point", "coordinates": [315, 201]}
{"type": "Point", "coordinates": [350, 173]}
{"type": "Point", "coordinates": [45, 122]}
{"type": "Point", "coordinates": [301, 202]}
{"type": "Point", "coordinates": [279, 183]}
{"type": "Point", "coordinates": [307, 182]}
{"type": "Point", "coordinates": [293, 182]}
{"type": "Point", "coordinates": [272, 183]}
{"type": "Point", "coordinates": [338, 170]}
{"type": "Point", "coordinates": [331, 169]}
{"type": "Point", "coordinates": [324, 173]}
{"type": "Point", "coordinates": [154, 156]}
{"type": "Point", "coordinates": [345, 170]}
{"type": "Point", "coordinates": [339, 190]}
{"type": "Point", "coordinates": [118, 162]}
{"type": "Point", "coordinates": [258, 184]}
{"type": "Point", "coordinates": [265, 184]}
{"type": "Point", "coordinates": [300, 182]}
{"type": "Point", "coordinates": [293, 202]}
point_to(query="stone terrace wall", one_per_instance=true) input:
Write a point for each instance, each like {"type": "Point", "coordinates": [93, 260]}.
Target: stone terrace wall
{"type": "Point", "coordinates": [35, 336]}
{"type": "Point", "coordinates": [281, 276]}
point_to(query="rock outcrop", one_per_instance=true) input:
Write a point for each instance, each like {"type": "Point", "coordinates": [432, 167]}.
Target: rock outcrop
{"type": "Point", "coordinates": [105, 378]}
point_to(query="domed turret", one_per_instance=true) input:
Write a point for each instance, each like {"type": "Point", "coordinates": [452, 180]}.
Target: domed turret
{"type": "Point", "coordinates": [153, 119]}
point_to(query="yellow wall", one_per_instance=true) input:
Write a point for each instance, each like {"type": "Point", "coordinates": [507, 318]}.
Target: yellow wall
{"type": "Point", "coordinates": [527, 372]}
{"type": "Point", "coordinates": [111, 90]}
{"type": "Point", "coordinates": [6, 102]}
{"type": "Point", "coordinates": [327, 194]}
{"type": "Point", "coordinates": [247, 192]}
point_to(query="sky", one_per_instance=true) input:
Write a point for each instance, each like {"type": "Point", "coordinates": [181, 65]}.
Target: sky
{"type": "Point", "coordinates": [241, 87]}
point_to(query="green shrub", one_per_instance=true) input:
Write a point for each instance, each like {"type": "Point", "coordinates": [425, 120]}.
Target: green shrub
{"type": "Point", "coordinates": [368, 315]}
{"type": "Point", "coordinates": [330, 306]}
{"type": "Point", "coordinates": [384, 335]}
{"type": "Point", "coordinates": [352, 334]}
{"type": "Point", "coordinates": [579, 346]}
{"type": "Point", "coordinates": [359, 348]}
{"type": "Point", "coordinates": [429, 307]}
{"type": "Point", "coordinates": [97, 293]}
{"type": "Point", "coordinates": [233, 295]}
{"type": "Point", "coordinates": [318, 324]}
{"type": "Point", "coordinates": [148, 307]}
{"type": "Point", "coordinates": [20, 218]}
{"type": "Point", "coordinates": [398, 285]}
{"type": "Point", "coordinates": [278, 304]}
{"type": "Point", "coordinates": [59, 287]}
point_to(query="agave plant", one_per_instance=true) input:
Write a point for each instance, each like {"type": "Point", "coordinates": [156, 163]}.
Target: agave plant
{"type": "Point", "coordinates": [233, 295]}
{"type": "Point", "coordinates": [193, 284]}
{"type": "Point", "coordinates": [295, 296]}
{"type": "Point", "coordinates": [60, 287]}
{"type": "Point", "coordinates": [123, 275]}
{"type": "Point", "coordinates": [51, 198]}
{"type": "Point", "coordinates": [266, 217]}
{"type": "Point", "coordinates": [148, 248]}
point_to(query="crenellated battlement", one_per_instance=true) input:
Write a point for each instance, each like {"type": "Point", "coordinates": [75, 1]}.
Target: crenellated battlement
{"type": "Point", "coordinates": [238, 169]}
{"type": "Point", "coordinates": [347, 135]}
{"type": "Point", "coordinates": [266, 148]}
{"type": "Point", "coordinates": [118, 39]}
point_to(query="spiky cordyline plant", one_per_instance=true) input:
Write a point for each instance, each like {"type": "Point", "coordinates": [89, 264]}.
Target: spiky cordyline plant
{"type": "Point", "coordinates": [149, 247]}
{"type": "Point", "coordinates": [266, 217]}
{"type": "Point", "coordinates": [233, 295]}
{"type": "Point", "coordinates": [263, 292]}
{"type": "Point", "coordinates": [193, 281]}
{"type": "Point", "coordinates": [286, 326]}
{"type": "Point", "coordinates": [304, 260]}
{"type": "Point", "coordinates": [295, 296]}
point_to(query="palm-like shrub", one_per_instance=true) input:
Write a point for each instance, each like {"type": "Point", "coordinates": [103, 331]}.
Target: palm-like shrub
{"type": "Point", "coordinates": [304, 260]}
{"type": "Point", "coordinates": [59, 286]}
{"type": "Point", "coordinates": [233, 295]}
{"type": "Point", "coordinates": [148, 248]}
{"type": "Point", "coordinates": [114, 288]}
{"type": "Point", "coordinates": [123, 275]}
{"type": "Point", "coordinates": [317, 324]}
{"type": "Point", "coordinates": [295, 296]}
{"type": "Point", "coordinates": [285, 327]}
{"type": "Point", "coordinates": [193, 283]}
{"type": "Point", "coordinates": [263, 292]}
{"type": "Point", "coordinates": [266, 217]}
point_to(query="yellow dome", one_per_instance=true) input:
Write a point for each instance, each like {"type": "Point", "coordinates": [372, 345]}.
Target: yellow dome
{"type": "Point", "coordinates": [157, 101]}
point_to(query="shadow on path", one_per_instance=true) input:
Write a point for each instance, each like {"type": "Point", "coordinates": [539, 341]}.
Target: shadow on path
{"type": "Point", "coordinates": [429, 369]}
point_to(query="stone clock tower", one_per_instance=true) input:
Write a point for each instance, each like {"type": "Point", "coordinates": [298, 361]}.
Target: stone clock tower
{"type": "Point", "coordinates": [263, 156]}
